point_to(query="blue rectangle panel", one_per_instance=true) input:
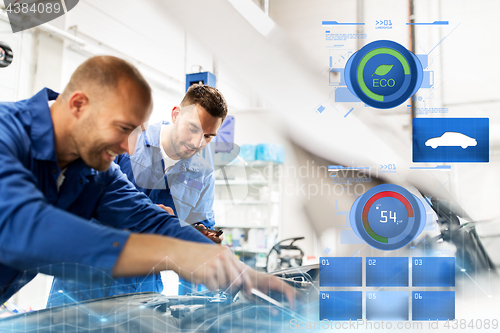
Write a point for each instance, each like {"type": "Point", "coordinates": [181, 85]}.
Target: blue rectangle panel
{"type": "Point", "coordinates": [424, 60]}
{"type": "Point", "coordinates": [451, 140]}
{"type": "Point", "coordinates": [387, 305]}
{"type": "Point", "coordinates": [433, 271]}
{"type": "Point", "coordinates": [433, 305]}
{"type": "Point", "coordinates": [340, 71]}
{"type": "Point", "coordinates": [340, 272]}
{"type": "Point", "coordinates": [340, 305]}
{"type": "Point", "coordinates": [387, 272]}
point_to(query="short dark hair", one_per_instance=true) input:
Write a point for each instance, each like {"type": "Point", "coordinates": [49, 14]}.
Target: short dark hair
{"type": "Point", "coordinates": [107, 72]}
{"type": "Point", "coordinates": [207, 97]}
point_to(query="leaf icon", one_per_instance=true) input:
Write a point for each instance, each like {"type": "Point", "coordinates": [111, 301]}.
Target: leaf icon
{"type": "Point", "coordinates": [382, 70]}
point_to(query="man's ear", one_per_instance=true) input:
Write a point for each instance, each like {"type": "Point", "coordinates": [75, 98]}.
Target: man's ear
{"type": "Point", "coordinates": [78, 102]}
{"type": "Point", "coordinates": [175, 113]}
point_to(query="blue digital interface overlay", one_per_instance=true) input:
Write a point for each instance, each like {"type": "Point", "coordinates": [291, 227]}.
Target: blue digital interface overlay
{"type": "Point", "coordinates": [387, 305]}
{"type": "Point", "coordinates": [433, 305]}
{"type": "Point", "coordinates": [340, 271]}
{"type": "Point", "coordinates": [433, 271]}
{"type": "Point", "coordinates": [437, 167]}
{"type": "Point", "coordinates": [424, 60]}
{"type": "Point", "coordinates": [450, 140]}
{"type": "Point", "coordinates": [383, 74]}
{"type": "Point", "coordinates": [348, 236]}
{"type": "Point", "coordinates": [340, 305]}
{"type": "Point", "coordinates": [333, 80]}
{"type": "Point", "coordinates": [340, 167]}
{"type": "Point", "coordinates": [342, 23]}
{"type": "Point", "coordinates": [429, 23]}
{"type": "Point", "coordinates": [428, 79]}
{"type": "Point", "coordinates": [387, 272]}
{"type": "Point", "coordinates": [387, 217]}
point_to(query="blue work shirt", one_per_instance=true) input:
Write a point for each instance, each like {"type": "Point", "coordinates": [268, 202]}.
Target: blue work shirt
{"type": "Point", "coordinates": [46, 231]}
{"type": "Point", "coordinates": [187, 187]}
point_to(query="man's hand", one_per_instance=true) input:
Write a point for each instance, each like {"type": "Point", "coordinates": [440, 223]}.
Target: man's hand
{"type": "Point", "coordinates": [211, 234]}
{"type": "Point", "coordinates": [167, 209]}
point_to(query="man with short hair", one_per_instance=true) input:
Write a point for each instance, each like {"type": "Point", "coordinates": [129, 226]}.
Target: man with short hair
{"type": "Point", "coordinates": [57, 173]}
{"type": "Point", "coordinates": [167, 165]}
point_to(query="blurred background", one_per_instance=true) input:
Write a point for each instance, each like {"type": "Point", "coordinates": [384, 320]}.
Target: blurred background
{"type": "Point", "coordinates": [277, 65]}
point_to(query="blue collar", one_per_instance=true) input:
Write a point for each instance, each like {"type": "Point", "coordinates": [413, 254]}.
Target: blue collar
{"type": "Point", "coordinates": [42, 128]}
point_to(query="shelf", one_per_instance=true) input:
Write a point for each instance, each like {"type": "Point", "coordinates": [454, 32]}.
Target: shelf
{"type": "Point", "coordinates": [253, 178]}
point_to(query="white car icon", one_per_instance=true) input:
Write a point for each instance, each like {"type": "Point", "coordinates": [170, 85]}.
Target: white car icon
{"type": "Point", "coordinates": [451, 139]}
